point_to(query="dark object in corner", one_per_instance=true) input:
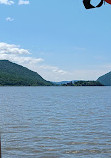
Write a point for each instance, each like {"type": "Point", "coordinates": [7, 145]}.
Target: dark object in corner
{"type": "Point", "coordinates": [88, 5]}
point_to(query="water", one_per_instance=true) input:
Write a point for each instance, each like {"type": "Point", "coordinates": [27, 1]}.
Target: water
{"type": "Point", "coordinates": [55, 122]}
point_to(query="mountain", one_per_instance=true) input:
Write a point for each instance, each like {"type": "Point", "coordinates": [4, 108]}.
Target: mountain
{"type": "Point", "coordinates": [12, 74]}
{"type": "Point", "coordinates": [105, 79]}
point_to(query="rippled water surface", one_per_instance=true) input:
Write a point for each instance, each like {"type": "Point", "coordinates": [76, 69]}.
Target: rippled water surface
{"type": "Point", "coordinates": [55, 122]}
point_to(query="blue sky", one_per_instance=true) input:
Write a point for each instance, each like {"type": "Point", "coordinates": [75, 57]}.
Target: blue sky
{"type": "Point", "coordinates": [59, 39]}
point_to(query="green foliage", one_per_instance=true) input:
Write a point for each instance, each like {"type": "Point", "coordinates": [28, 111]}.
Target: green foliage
{"type": "Point", "coordinates": [12, 74]}
{"type": "Point", "coordinates": [105, 79]}
{"type": "Point", "coordinates": [84, 83]}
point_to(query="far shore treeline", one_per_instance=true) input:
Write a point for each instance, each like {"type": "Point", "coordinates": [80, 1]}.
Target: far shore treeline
{"type": "Point", "coordinates": [12, 74]}
{"type": "Point", "coordinates": [83, 83]}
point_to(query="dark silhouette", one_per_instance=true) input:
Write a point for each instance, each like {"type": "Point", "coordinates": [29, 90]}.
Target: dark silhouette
{"type": "Point", "coordinates": [100, 4]}
{"type": "Point", "coordinates": [88, 5]}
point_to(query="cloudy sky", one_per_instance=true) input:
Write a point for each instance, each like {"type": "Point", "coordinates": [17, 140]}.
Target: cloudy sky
{"type": "Point", "coordinates": [59, 39]}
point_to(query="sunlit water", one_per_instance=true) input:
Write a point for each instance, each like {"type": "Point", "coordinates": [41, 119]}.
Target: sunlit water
{"type": "Point", "coordinates": [55, 122]}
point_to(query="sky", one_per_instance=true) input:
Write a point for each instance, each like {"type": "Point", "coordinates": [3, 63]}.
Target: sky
{"type": "Point", "coordinates": [59, 39]}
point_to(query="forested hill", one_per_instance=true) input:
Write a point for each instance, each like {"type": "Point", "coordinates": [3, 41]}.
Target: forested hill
{"type": "Point", "coordinates": [105, 79]}
{"type": "Point", "coordinates": [12, 74]}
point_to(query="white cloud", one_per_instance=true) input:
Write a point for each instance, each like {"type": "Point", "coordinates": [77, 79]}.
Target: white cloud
{"type": "Point", "coordinates": [6, 2]}
{"type": "Point", "coordinates": [11, 49]}
{"type": "Point", "coordinates": [20, 59]}
{"type": "Point", "coordinates": [53, 73]}
{"type": "Point", "coordinates": [9, 19]}
{"type": "Point", "coordinates": [53, 69]}
{"type": "Point", "coordinates": [22, 56]}
{"type": "Point", "coordinates": [23, 2]}
{"type": "Point", "coordinates": [48, 72]}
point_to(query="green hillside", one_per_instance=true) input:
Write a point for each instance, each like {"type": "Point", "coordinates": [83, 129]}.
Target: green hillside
{"type": "Point", "coordinates": [105, 79]}
{"type": "Point", "coordinates": [12, 74]}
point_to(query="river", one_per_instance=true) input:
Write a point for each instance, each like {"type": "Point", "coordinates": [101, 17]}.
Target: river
{"type": "Point", "coordinates": [55, 122]}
